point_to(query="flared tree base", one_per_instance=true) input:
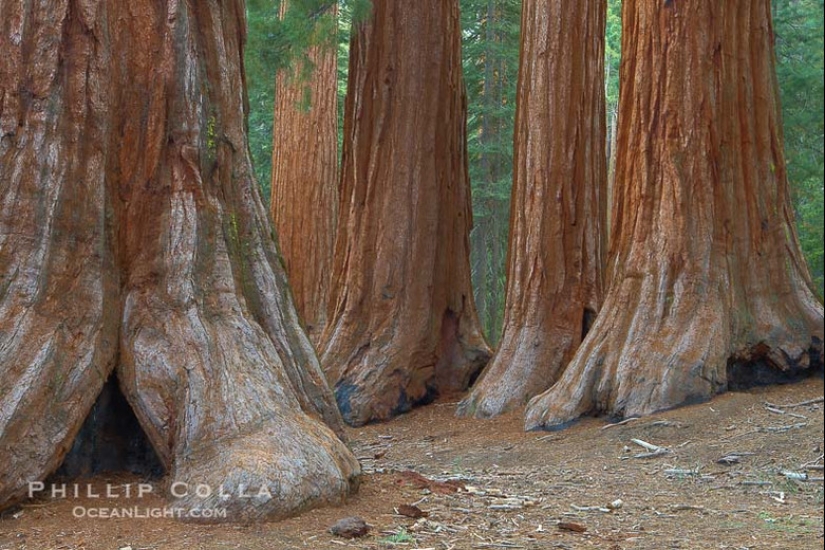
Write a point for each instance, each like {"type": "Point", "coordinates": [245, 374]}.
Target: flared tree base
{"type": "Point", "coordinates": [640, 358]}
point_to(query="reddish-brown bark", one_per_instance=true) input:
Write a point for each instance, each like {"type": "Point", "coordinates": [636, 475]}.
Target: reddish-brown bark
{"type": "Point", "coordinates": [554, 274]}
{"type": "Point", "coordinates": [304, 199]}
{"type": "Point", "coordinates": [709, 289]}
{"type": "Point", "coordinates": [403, 324]}
{"type": "Point", "coordinates": [133, 238]}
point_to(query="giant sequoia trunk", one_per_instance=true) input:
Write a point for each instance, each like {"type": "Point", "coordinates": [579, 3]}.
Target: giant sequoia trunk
{"type": "Point", "coordinates": [304, 188]}
{"type": "Point", "coordinates": [709, 289]}
{"type": "Point", "coordinates": [403, 325]}
{"type": "Point", "coordinates": [554, 286]}
{"type": "Point", "coordinates": [133, 238]}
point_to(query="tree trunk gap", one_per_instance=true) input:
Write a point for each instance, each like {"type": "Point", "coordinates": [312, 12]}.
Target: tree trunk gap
{"type": "Point", "coordinates": [133, 240]}
{"type": "Point", "coordinates": [304, 198]}
{"type": "Point", "coordinates": [708, 287]}
{"type": "Point", "coordinates": [557, 237]}
{"type": "Point", "coordinates": [403, 326]}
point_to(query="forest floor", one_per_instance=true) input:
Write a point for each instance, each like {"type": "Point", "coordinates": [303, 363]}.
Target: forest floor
{"type": "Point", "coordinates": [489, 485]}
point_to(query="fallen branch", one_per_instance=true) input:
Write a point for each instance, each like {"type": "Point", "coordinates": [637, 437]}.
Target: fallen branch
{"type": "Point", "coordinates": [813, 401]}
{"type": "Point", "coordinates": [680, 472]}
{"type": "Point", "coordinates": [776, 410]}
{"type": "Point", "coordinates": [800, 476]}
{"type": "Point", "coordinates": [783, 429]}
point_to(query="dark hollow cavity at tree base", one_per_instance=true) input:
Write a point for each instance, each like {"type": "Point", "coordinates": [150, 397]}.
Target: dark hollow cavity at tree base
{"type": "Point", "coordinates": [758, 370]}
{"type": "Point", "coordinates": [111, 441]}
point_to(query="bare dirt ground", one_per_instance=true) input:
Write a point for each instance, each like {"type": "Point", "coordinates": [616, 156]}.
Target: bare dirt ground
{"type": "Point", "coordinates": [487, 484]}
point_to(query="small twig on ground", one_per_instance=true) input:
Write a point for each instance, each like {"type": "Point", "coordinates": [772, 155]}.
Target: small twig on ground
{"type": "Point", "coordinates": [662, 424]}
{"type": "Point", "coordinates": [776, 410]}
{"type": "Point", "coordinates": [813, 464]}
{"type": "Point", "coordinates": [681, 507]}
{"type": "Point", "coordinates": [783, 429]}
{"type": "Point", "coordinates": [733, 458]}
{"type": "Point", "coordinates": [680, 472]}
{"type": "Point", "coordinates": [655, 450]}
{"type": "Point", "coordinates": [590, 509]}
{"type": "Point", "coordinates": [622, 423]}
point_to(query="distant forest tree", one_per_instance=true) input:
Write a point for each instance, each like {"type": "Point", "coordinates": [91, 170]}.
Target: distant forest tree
{"type": "Point", "coordinates": [490, 36]}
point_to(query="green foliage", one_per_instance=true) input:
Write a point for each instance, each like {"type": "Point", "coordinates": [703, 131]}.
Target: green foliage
{"type": "Point", "coordinates": [274, 44]}
{"type": "Point", "coordinates": [491, 36]}
{"type": "Point", "coordinates": [261, 63]}
{"type": "Point", "coordinates": [613, 54]}
{"type": "Point", "coordinates": [491, 33]}
{"type": "Point", "coordinates": [798, 27]}
{"type": "Point", "coordinates": [400, 537]}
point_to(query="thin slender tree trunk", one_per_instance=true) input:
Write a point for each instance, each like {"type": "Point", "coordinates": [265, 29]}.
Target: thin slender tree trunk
{"type": "Point", "coordinates": [709, 288]}
{"type": "Point", "coordinates": [498, 258]}
{"type": "Point", "coordinates": [554, 284]}
{"type": "Point", "coordinates": [611, 167]}
{"type": "Point", "coordinates": [481, 280]}
{"type": "Point", "coordinates": [484, 290]}
{"type": "Point", "coordinates": [133, 239]}
{"type": "Point", "coordinates": [403, 325]}
{"type": "Point", "coordinates": [304, 200]}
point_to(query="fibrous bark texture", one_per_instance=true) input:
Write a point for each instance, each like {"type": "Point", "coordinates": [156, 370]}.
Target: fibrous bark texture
{"type": "Point", "coordinates": [133, 237]}
{"type": "Point", "coordinates": [304, 200]}
{"type": "Point", "coordinates": [403, 325]}
{"type": "Point", "coordinates": [557, 238]}
{"type": "Point", "coordinates": [709, 289]}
